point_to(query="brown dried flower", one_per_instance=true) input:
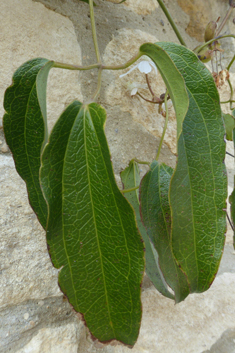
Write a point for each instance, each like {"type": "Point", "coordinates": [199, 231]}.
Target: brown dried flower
{"type": "Point", "coordinates": [232, 3]}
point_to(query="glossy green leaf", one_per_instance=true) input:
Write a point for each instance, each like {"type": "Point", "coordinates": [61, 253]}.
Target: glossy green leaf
{"type": "Point", "coordinates": [232, 196]}
{"type": "Point", "coordinates": [91, 231]}
{"type": "Point", "coordinates": [25, 126]}
{"type": "Point", "coordinates": [198, 188]}
{"type": "Point", "coordinates": [229, 123]}
{"type": "Point", "coordinates": [156, 216]}
{"type": "Point", "coordinates": [232, 211]}
{"type": "Point", "coordinates": [172, 78]}
{"type": "Point", "coordinates": [131, 178]}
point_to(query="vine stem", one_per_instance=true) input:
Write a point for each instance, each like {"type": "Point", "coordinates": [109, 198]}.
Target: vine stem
{"type": "Point", "coordinates": [94, 35]}
{"type": "Point", "coordinates": [231, 225]}
{"type": "Point", "coordinates": [147, 100]}
{"type": "Point", "coordinates": [231, 94]}
{"type": "Point", "coordinates": [98, 65]}
{"type": "Point", "coordinates": [149, 86]}
{"type": "Point", "coordinates": [60, 65]}
{"type": "Point", "coordinates": [123, 66]}
{"type": "Point", "coordinates": [164, 129]}
{"type": "Point", "coordinates": [231, 62]}
{"type": "Point", "coordinates": [170, 19]}
{"type": "Point", "coordinates": [214, 39]}
{"type": "Point", "coordinates": [224, 20]}
{"type": "Point", "coordinates": [141, 162]}
{"type": "Point", "coordinates": [98, 84]}
{"type": "Point", "coordinates": [228, 101]}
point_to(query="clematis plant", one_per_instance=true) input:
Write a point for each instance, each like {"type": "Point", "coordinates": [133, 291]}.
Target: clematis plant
{"type": "Point", "coordinates": [170, 224]}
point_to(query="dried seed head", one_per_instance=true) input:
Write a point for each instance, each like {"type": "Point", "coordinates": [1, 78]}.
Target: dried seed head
{"type": "Point", "coordinates": [232, 3]}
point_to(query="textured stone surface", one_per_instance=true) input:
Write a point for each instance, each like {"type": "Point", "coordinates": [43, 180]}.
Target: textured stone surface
{"type": "Point", "coordinates": [118, 91]}
{"type": "Point", "coordinates": [139, 6]}
{"type": "Point", "coordinates": [62, 339]}
{"type": "Point", "coordinates": [20, 323]}
{"type": "Point", "coordinates": [31, 30]}
{"type": "Point", "coordinates": [225, 344]}
{"type": "Point", "coordinates": [26, 269]}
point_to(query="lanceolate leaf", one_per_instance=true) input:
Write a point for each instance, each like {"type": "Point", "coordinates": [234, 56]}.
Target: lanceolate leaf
{"type": "Point", "coordinates": [229, 123]}
{"type": "Point", "coordinates": [232, 203]}
{"type": "Point", "coordinates": [172, 77]}
{"type": "Point", "coordinates": [198, 188]}
{"type": "Point", "coordinates": [91, 230]}
{"type": "Point", "coordinates": [156, 216]}
{"type": "Point", "coordinates": [131, 178]}
{"type": "Point", "coordinates": [25, 126]}
{"type": "Point", "coordinates": [232, 196]}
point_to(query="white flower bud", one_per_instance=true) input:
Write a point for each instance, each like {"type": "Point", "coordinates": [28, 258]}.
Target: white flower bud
{"type": "Point", "coordinates": [134, 91]}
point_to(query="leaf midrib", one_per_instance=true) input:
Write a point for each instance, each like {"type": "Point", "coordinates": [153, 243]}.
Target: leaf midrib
{"type": "Point", "coordinates": [94, 217]}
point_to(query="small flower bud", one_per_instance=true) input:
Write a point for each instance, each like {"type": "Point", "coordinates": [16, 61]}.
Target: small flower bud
{"type": "Point", "coordinates": [134, 91]}
{"type": "Point", "coordinates": [210, 31]}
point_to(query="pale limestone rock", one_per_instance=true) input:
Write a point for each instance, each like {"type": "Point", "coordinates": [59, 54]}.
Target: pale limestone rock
{"type": "Point", "coordinates": [139, 6]}
{"type": "Point", "coordinates": [61, 339]}
{"type": "Point", "coordinates": [121, 48]}
{"type": "Point", "coordinates": [4, 148]}
{"type": "Point", "coordinates": [27, 271]}
{"type": "Point", "coordinates": [31, 30]}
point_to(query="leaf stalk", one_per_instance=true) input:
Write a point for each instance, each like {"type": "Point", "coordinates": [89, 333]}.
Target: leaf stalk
{"type": "Point", "coordinates": [130, 190]}
{"type": "Point", "coordinates": [164, 129]}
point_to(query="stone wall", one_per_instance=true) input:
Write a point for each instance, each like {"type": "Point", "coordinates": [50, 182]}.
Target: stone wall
{"type": "Point", "coordinates": [34, 315]}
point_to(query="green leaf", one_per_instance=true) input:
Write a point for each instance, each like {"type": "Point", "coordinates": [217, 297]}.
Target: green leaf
{"type": "Point", "coordinates": [229, 123]}
{"type": "Point", "coordinates": [172, 78]}
{"type": "Point", "coordinates": [91, 230]}
{"type": "Point", "coordinates": [131, 178]}
{"type": "Point", "coordinates": [198, 187]}
{"type": "Point", "coordinates": [232, 196]}
{"type": "Point", "coordinates": [232, 211]}
{"type": "Point", "coordinates": [156, 216]}
{"type": "Point", "coordinates": [25, 126]}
